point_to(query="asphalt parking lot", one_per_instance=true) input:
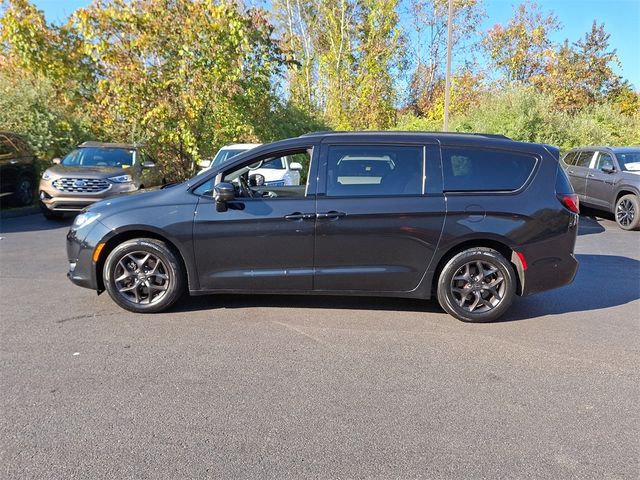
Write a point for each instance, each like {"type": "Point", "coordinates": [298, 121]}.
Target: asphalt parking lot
{"type": "Point", "coordinates": [314, 387]}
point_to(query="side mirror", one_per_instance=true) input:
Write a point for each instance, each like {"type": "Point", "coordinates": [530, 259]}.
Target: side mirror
{"type": "Point", "coordinates": [56, 161]}
{"type": "Point", "coordinates": [222, 193]}
{"type": "Point", "coordinates": [295, 166]}
{"type": "Point", "coordinates": [204, 163]}
{"type": "Point", "coordinates": [256, 180]}
{"type": "Point", "coordinates": [608, 169]}
{"type": "Point", "coordinates": [148, 164]}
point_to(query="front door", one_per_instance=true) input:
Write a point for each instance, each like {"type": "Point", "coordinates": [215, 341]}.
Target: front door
{"type": "Point", "coordinates": [264, 239]}
{"type": "Point", "coordinates": [377, 227]}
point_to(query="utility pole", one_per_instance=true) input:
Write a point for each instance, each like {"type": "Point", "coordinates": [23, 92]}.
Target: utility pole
{"type": "Point", "coordinates": [447, 83]}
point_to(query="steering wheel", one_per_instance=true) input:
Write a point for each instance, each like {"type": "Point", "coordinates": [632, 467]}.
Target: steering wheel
{"type": "Point", "coordinates": [244, 188]}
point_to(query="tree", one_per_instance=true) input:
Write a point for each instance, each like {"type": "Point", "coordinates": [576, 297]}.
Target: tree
{"type": "Point", "coordinates": [581, 74]}
{"type": "Point", "coordinates": [183, 76]}
{"type": "Point", "coordinates": [429, 22]}
{"type": "Point", "coordinates": [521, 49]}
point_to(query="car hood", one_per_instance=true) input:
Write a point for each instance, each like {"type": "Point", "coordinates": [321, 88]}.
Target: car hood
{"type": "Point", "coordinates": [87, 172]}
{"type": "Point", "coordinates": [632, 176]}
{"type": "Point", "coordinates": [155, 196]}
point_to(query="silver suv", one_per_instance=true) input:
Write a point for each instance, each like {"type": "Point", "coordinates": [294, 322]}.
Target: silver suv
{"type": "Point", "coordinates": [607, 178]}
{"type": "Point", "coordinates": [92, 172]}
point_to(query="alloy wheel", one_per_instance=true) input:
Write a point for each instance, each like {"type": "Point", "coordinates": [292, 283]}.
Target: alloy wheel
{"type": "Point", "coordinates": [141, 278]}
{"type": "Point", "coordinates": [625, 213]}
{"type": "Point", "coordinates": [478, 286]}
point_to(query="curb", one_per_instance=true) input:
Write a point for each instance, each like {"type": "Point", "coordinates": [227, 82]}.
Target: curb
{"type": "Point", "coordinates": [19, 212]}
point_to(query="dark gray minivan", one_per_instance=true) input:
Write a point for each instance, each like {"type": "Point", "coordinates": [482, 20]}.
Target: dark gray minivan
{"type": "Point", "coordinates": [471, 219]}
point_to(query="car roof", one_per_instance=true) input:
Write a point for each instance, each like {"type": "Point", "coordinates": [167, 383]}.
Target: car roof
{"type": "Point", "coordinates": [438, 135]}
{"type": "Point", "coordinates": [124, 146]}
{"type": "Point", "coordinates": [603, 147]}
{"type": "Point", "coordinates": [241, 145]}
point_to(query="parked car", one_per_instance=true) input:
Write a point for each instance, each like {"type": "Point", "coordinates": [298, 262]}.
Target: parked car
{"type": "Point", "coordinates": [92, 172]}
{"type": "Point", "coordinates": [471, 219]}
{"type": "Point", "coordinates": [17, 170]}
{"type": "Point", "coordinates": [607, 178]}
{"type": "Point", "coordinates": [275, 172]}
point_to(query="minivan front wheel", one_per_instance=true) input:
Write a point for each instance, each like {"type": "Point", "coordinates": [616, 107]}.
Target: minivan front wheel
{"type": "Point", "coordinates": [143, 275]}
{"type": "Point", "coordinates": [628, 212]}
{"type": "Point", "coordinates": [476, 285]}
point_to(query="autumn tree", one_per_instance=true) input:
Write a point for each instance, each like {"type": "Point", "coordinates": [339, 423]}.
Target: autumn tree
{"type": "Point", "coordinates": [582, 74]}
{"type": "Point", "coordinates": [184, 76]}
{"type": "Point", "coordinates": [429, 23]}
{"type": "Point", "coordinates": [522, 48]}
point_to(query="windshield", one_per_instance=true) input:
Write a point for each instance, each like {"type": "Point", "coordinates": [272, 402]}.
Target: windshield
{"type": "Point", "coordinates": [225, 155]}
{"type": "Point", "coordinates": [629, 161]}
{"type": "Point", "coordinates": [99, 157]}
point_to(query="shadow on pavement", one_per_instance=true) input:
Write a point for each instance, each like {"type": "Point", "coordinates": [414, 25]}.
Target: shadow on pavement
{"type": "Point", "coordinates": [602, 281]}
{"type": "Point", "coordinates": [33, 223]}
{"type": "Point", "coordinates": [307, 301]}
{"type": "Point", "coordinates": [589, 225]}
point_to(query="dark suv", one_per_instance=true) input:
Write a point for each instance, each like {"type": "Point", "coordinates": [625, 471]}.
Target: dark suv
{"type": "Point", "coordinates": [17, 170]}
{"type": "Point", "coordinates": [607, 178]}
{"type": "Point", "coordinates": [471, 219]}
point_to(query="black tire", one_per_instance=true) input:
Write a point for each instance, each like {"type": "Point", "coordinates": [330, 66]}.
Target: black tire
{"type": "Point", "coordinates": [627, 212]}
{"type": "Point", "coordinates": [50, 214]}
{"type": "Point", "coordinates": [457, 296]}
{"type": "Point", "coordinates": [136, 285]}
{"type": "Point", "coordinates": [23, 194]}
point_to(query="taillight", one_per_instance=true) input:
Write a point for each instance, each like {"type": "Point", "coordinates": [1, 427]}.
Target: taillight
{"type": "Point", "coordinates": [570, 201]}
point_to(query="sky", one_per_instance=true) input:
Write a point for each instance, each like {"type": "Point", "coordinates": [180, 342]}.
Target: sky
{"type": "Point", "coordinates": [621, 19]}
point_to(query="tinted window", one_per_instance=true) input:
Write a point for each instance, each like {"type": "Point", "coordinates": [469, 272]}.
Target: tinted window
{"type": "Point", "coordinates": [569, 158]}
{"type": "Point", "coordinates": [374, 171]}
{"type": "Point", "coordinates": [99, 157]}
{"type": "Point", "coordinates": [484, 170]}
{"type": "Point", "coordinates": [583, 159]}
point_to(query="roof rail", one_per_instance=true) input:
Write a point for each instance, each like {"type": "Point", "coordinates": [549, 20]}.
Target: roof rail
{"type": "Point", "coordinates": [343, 132]}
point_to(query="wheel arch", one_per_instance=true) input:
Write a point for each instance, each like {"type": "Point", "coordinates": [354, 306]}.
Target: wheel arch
{"type": "Point", "coordinates": [624, 190]}
{"type": "Point", "coordinates": [122, 236]}
{"type": "Point", "coordinates": [496, 244]}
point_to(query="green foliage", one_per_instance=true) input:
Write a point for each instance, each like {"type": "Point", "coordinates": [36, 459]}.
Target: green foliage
{"type": "Point", "coordinates": [28, 107]}
{"type": "Point", "coordinates": [526, 115]}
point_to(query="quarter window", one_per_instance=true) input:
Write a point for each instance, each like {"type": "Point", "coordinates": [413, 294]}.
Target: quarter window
{"type": "Point", "coordinates": [379, 170]}
{"type": "Point", "coordinates": [569, 158]}
{"type": "Point", "coordinates": [478, 170]}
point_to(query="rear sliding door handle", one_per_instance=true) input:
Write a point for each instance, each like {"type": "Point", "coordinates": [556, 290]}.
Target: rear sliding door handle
{"type": "Point", "coordinates": [331, 214]}
{"type": "Point", "coordinates": [300, 216]}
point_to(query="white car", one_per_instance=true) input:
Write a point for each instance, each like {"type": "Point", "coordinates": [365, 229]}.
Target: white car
{"type": "Point", "coordinates": [276, 172]}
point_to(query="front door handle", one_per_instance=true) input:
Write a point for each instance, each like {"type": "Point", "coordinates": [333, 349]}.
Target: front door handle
{"type": "Point", "coordinates": [300, 216]}
{"type": "Point", "coordinates": [331, 214]}
{"type": "Point", "coordinates": [591, 175]}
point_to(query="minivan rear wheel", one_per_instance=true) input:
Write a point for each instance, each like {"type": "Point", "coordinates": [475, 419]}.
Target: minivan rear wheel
{"type": "Point", "coordinates": [143, 275]}
{"type": "Point", "coordinates": [628, 212]}
{"type": "Point", "coordinates": [476, 285]}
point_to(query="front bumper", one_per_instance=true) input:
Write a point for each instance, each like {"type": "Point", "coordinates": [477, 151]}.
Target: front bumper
{"type": "Point", "coordinates": [58, 201]}
{"type": "Point", "coordinates": [81, 244]}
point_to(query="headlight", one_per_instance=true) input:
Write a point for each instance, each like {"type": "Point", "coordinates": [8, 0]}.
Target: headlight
{"type": "Point", "coordinates": [84, 219]}
{"type": "Point", "coordinates": [46, 175]}
{"type": "Point", "coordinates": [121, 179]}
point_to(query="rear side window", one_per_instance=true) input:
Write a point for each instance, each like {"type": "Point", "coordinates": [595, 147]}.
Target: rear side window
{"type": "Point", "coordinates": [478, 170]}
{"type": "Point", "coordinates": [378, 170]}
{"type": "Point", "coordinates": [583, 159]}
{"type": "Point", "coordinates": [569, 158]}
